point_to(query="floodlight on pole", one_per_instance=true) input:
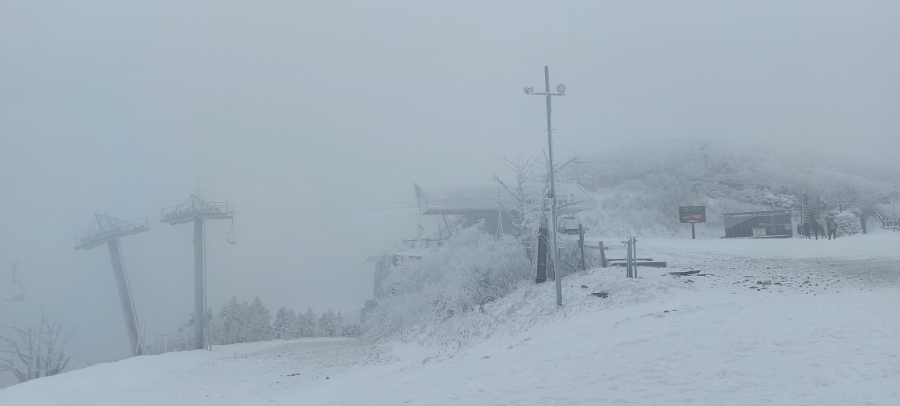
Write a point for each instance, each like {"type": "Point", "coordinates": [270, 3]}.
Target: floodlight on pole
{"type": "Point", "coordinates": [554, 250]}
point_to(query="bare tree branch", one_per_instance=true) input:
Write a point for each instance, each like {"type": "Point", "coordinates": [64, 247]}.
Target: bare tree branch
{"type": "Point", "coordinates": [32, 352]}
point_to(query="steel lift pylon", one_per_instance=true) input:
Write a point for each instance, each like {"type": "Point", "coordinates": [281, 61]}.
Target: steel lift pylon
{"type": "Point", "coordinates": [107, 230]}
{"type": "Point", "coordinates": [197, 210]}
{"type": "Point", "coordinates": [16, 292]}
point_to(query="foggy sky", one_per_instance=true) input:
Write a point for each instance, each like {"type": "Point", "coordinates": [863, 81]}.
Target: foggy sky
{"type": "Point", "coordinates": [291, 110]}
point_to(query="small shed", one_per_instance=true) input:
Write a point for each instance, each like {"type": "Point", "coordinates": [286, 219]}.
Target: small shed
{"type": "Point", "coordinates": [760, 224]}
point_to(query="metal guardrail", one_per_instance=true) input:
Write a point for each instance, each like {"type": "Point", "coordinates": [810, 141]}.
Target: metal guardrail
{"type": "Point", "coordinates": [888, 223]}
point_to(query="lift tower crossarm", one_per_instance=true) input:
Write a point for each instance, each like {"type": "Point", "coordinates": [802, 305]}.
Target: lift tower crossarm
{"type": "Point", "coordinates": [106, 229]}
{"type": "Point", "coordinates": [197, 210]}
{"type": "Point", "coordinates": [195, 207]}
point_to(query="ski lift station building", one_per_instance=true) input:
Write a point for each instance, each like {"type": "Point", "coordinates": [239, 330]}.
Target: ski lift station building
{"type": "Point", "coordinates": [492, 202]}
{"type": "Point", "coordinates": [775, 223]}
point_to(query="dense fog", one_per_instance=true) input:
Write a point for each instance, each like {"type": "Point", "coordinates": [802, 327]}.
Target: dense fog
{"type": "Point", "coordinates": [316, 119]}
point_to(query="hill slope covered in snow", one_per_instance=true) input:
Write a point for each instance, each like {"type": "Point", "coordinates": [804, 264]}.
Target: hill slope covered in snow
{"type": "Point", "coordinates": [791, 321]}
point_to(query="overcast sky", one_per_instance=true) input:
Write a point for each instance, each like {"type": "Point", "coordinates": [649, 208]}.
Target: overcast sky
{"type": "Point", "coordinates": [291, 110]}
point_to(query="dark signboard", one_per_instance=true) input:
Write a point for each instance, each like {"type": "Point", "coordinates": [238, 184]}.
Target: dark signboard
{"type": "Point", "coordinates": [692, 214]}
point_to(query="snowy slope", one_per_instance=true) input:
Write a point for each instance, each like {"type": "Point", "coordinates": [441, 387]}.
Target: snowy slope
{"type": "Point", "coordinates": [792, 322]}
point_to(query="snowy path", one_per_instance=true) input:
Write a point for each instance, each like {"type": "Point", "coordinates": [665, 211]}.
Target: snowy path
{"type": "Point", "coordinates": [800, 329]}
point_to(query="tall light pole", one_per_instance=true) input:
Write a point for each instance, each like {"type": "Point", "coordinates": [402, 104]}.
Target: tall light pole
{"type": "Point", "coordinates": [554, 253]}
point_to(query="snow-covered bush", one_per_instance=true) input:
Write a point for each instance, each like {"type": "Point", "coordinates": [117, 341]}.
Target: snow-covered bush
{"type": "Point", "coordinates": [570, 256]}
{"type": "Point", "coordinates": [472, 266]}
{"type": "Point", "coordinates": [848, 223]}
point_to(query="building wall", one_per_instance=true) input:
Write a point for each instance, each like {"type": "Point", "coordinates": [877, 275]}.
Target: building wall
{"type": "Point", "coordinates": [762, 225]}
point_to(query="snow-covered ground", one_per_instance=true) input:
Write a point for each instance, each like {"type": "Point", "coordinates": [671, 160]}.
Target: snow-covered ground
{"type": "Point", "coordinates": [782, 322]}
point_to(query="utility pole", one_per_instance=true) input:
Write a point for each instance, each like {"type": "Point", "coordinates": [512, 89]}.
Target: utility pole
{"type": "Point", "coordinates": [802, 198]}
{"type": "Point", "coordinates": [581, 245]}
{"type": "Point", "coordinates": [197, 210]}
{"type": "Point", "coordinates": [106, 229]}
{"type": "Point", "coordinates": [629, 256]}
{"type": "Point", "coordinates": [554, 253]}
{"type": "Point", "coordinates": [16, 291]}
{"type": "Point", "coordinates": [818, 207]}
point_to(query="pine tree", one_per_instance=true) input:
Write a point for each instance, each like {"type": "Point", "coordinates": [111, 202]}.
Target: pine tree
{"type": "Point", "coordinates": [292, 326]}
{"type": "Point", "coordinates": [327, 322]}
{"type": "Point", "coordinates": [233, 322]}
{"type": "Point", "coordinates": [281, 325]}
{"type": "Point", "coordinates": [339, 323]}
{"type": "Point", "coordinates": [246, 313]}
{"type": "Point", "coordinates": [351, 330]}
{"type": "Point", "coordinates": [259, 320]}
{"type": "Point", "coordinates": [308, 325]}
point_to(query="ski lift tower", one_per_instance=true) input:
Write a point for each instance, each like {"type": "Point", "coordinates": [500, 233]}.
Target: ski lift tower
{"type": "Point", "coordinates": [16, 292]}
{"type": "Point", "coordinates": [107, 230]}
{"type": "Point", "coordinates": [197, 210]}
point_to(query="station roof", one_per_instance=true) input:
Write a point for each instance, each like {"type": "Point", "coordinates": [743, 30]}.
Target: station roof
{"type": "Point", "coordinates": [734, 219]}
{"type": "Point", "coordinates": [461, 199]}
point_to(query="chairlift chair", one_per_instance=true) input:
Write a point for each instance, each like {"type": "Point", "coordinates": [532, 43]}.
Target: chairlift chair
{"type": "Point", "coordinates": [229, 236]}
{"type": "Point", "coordinates": [16, 292]}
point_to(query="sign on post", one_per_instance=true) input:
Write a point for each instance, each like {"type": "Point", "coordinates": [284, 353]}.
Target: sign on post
{"type": "Point", "coordinates": [692, 215]}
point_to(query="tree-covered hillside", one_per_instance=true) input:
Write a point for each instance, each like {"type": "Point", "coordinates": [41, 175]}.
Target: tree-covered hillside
{"type": "Point", "coordinates": [640, 188]}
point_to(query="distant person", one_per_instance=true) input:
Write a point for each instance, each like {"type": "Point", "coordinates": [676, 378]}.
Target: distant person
{"type": "Point", "coordinates": [832, 229]}
{"type": "Point", "coordinates": [806, 229]}
{"type": "Point", "coordinates": [815, 227]}
{"type": "Point", "coordinates": [799, 229]}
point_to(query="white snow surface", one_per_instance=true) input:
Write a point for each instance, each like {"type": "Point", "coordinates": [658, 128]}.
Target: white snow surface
{"type": "Point", "coordinates": [774, 321]}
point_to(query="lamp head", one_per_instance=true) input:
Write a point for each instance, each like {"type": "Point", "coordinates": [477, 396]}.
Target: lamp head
{"type": "Point", "coordinates": [528, 90]}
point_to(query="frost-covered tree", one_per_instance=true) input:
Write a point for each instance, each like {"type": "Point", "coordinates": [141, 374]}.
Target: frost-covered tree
{"type": "Point", "coordinates": [30, 352]}
{"type": "Point", "coordinates": [307, 323]}
{"type": "Point", "coordinates": [469, 267]}
{"type": "Point", "coordinates": [328, 324]}
{"type": "Point", "coordinates": [350, 330]}
{"type": "Point", "coordinates": [207, 320]}
{"type": "Point", "coordinates": [260, 317]}
{"type": "Point", "coordinates": [208, 325]}
{"type": "Point", "coordinates": [292, 326]}
{"type": "Point", "coordinates": [526, 213]}
{"type": "Point", "coordinates": [339, 322]}
{"type": "Point", "coordinates": [234, 322]}
{"type": "Point", "coordinates": [281, 326]}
